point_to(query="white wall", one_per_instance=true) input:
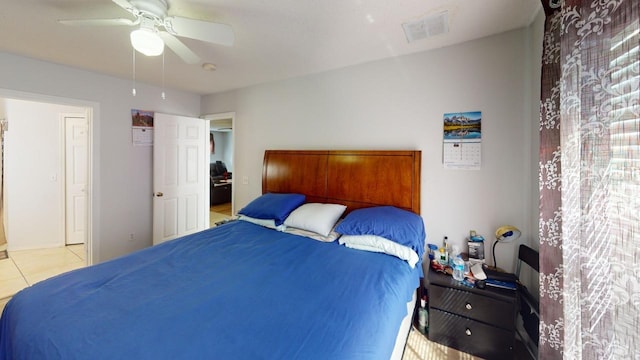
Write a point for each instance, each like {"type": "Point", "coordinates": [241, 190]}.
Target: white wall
{"type": "Point", "coordinates": [121, 203]}
{"type": "Point", "coordinates": [399, 104]}
{"type": "Point", "coordinates": [33, 162]}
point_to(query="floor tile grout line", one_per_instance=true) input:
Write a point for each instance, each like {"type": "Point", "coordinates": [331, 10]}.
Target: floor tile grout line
{"type": "Point", "coordinates": [24, 277]}
{"type": "Point", "coordinates": [73, 252]}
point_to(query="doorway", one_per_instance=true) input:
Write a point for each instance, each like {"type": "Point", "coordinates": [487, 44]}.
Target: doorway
{"type": "Point", "coordinates": [221, 204]}
{"type": "Point", "coordinates": [35, 177]}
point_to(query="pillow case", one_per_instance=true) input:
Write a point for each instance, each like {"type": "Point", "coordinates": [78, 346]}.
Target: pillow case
{"type": "Point", "coordinates": [268, 223]}
{"type": "Point", "coordinates": [400, 226]}
{"type": "Point", "coordinates": [315, 217]}
{"type": "Point", "coordinates": [379, 244]}
{"type": "Point", "coordinates": [313, 235]}
{"type": "Point", "coordinates": [273, 206]}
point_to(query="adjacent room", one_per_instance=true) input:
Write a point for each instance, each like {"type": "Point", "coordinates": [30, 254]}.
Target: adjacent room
{"type": "Point", "coordinates": [441, 179]}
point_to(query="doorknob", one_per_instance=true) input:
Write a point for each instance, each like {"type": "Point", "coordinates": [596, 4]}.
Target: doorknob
{"type": "Point", "coordinates": [159, 194]}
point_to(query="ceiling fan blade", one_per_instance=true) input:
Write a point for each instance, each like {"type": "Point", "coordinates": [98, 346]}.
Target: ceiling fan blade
{"type": "Point", "coordinates": [200, 30]}
{"type": "Point", "coordinates": [179, 48]}
{"type": "Point", "coordinates": [99, 22]}
{"type": "Point", "coordinates": [126, 5]}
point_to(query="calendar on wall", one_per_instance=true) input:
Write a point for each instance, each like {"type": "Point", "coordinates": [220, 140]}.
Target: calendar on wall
{"type": "Point", "coordinates": [142, 127]}
{"type": "Point", "coordinates": [462, 142]}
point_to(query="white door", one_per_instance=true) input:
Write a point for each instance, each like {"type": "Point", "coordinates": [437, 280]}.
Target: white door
{"type": "Point", "coordinates": [76, 141]}
{"type": "Point", "coordinates": [180, 165]}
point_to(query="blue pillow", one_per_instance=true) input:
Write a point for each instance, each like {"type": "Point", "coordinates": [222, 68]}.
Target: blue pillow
{"type": "Point", "coordinates": [397, 225]}
{"type": "Point", "coordinates": [273, 206]}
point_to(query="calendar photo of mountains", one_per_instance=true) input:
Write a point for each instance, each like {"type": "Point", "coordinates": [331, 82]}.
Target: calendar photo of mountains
{"type": "Point", "coordinates": [463, 125]}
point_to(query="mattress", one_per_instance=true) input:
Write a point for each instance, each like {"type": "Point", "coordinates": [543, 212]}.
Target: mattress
{"type": "Point", "coordinates": [237, 291]}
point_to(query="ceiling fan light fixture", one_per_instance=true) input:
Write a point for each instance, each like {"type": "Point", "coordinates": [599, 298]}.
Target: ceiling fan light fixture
{"type": "Point", "coordinates": [147, 41]}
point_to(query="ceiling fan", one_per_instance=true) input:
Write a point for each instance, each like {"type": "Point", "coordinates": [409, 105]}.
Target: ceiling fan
{"type": "Point", "coordinates": [155, 29]}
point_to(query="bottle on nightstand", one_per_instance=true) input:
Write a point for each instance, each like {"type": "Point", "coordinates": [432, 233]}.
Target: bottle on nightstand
{"type": "Point", "coordinates": [458, 268]}
{"type": "Point", "coordinates": [423, 316]}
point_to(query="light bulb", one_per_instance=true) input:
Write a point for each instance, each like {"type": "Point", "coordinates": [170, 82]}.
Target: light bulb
{"type": "Point", "coordinates": [147, 41]}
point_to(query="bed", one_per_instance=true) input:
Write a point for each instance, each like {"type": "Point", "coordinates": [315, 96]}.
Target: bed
{"type": "Point", "coordinates": [254, 288]}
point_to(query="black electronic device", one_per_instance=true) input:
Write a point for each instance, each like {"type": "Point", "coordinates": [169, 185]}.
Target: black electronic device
{"type": "Point", "coordinates": [499, 275]}
{"type": "Point", "coordinates": [501, 284]}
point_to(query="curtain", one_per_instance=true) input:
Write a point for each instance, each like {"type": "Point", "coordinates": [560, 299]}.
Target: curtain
{"type": "Point", "coordinates": [589, 180]}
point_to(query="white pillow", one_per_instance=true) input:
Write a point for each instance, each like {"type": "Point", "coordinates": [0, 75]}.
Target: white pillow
{"type": "Point", "coordinates": [316, 217]}
{"type": "Point", "coordinates": [379, 244]}
{"type": "Point", "coordinates": [270, 223]}
{"type": "Point", "coordinates": [313, 235]}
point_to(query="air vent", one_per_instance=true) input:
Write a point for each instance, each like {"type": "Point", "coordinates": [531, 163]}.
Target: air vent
{"type": "Point", "coordinates": [427, 27]}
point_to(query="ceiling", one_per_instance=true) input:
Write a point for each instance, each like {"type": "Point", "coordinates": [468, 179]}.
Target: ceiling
{"type": "Point", "coordinates": [274, 39]}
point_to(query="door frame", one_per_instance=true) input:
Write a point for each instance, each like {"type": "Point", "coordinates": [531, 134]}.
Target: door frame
{"type": "Point", "coordinates": [93, 160]}
{"type": "Point", "coordinates": [221, 116]}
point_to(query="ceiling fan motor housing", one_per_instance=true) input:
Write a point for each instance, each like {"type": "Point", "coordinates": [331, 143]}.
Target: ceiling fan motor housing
{"type": "Point", "coordinates": [156, 29]}
{"type": "Point", "coordinates": [156, 8]}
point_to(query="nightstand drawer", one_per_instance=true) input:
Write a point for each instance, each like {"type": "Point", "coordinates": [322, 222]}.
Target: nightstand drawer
{"type": "Point", "coordinates": [477, 307]}
{"type": "Point", "coordinates": [470, 336]}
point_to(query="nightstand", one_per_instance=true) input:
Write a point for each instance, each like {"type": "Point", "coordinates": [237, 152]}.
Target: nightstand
{"type": "Point", "coordinates": [480, 322]}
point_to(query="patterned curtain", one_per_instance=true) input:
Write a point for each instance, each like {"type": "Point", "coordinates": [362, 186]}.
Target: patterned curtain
{"type": "Point", "coordinates": [589, 180]}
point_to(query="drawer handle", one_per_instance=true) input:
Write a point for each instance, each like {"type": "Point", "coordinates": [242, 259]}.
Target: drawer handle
{"type": "Point", "coordinates": [468, 332]}
{"type": "Point", "coordinates": [468, 306]}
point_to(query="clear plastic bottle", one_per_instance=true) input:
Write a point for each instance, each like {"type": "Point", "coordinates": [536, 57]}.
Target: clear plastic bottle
{"type": "Point", "coordinates": [458, 268]}
{"type": "Point", "coordinates": [423, 316]}
{"type": "Point", "coordinates": [454, 252]}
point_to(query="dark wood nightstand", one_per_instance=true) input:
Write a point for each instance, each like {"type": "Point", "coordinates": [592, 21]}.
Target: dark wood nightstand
{"type": "Point", "coordinates": [480, 322]}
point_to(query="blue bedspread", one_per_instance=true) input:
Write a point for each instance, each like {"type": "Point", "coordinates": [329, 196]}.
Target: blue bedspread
{"type": "Point", "coordinates": [238, 291]}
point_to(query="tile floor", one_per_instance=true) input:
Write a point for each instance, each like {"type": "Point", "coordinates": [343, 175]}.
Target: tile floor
{"type": "Point", "coordinates": [26, 267]}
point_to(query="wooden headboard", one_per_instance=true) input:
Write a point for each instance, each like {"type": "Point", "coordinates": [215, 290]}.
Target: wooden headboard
{"type": "Point", "coordinates": [358, 179]}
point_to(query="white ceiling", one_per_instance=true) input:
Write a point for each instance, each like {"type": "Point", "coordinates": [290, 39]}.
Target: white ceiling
{"type": "Point", "coordinates": [274, 39]}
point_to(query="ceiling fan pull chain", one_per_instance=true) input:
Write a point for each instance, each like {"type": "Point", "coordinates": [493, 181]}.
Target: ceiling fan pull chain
{"type": "Point", "coordinates": [133, 92]}
{"type": "Point", "coordinates": [163, 95]}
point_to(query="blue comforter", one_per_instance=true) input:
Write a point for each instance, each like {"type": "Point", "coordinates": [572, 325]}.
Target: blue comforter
{"type": "Point", "coordinates": [238, 291]}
